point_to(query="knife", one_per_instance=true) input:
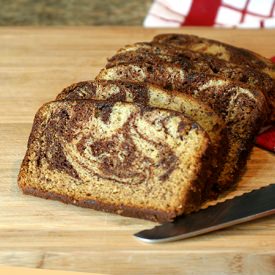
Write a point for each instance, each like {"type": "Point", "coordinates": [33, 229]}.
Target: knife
{"type": "Point", "coordinates": [249, 206]}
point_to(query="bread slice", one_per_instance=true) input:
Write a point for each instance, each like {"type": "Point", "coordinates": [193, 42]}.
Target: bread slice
{"type": "Point", "coordinates": [117, 157]}
{"type": "Point", "coordinates": [154, 96]}
{"type": "Point", "coordinates": [243, 109]}
{"type": "Point", "coordinates": [248, 59]}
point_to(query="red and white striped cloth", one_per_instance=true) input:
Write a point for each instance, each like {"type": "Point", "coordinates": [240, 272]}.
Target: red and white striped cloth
{"type": "Point", "coordinates": [216, 13]}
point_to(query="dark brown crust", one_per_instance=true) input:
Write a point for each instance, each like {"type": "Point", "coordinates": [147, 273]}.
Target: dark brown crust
{"type": "Point", "coordinates": [75, 89]}
{"type": "Point", "coordinates": [204, 183]}
{"type": "Point", "coordinates": [152, 215]}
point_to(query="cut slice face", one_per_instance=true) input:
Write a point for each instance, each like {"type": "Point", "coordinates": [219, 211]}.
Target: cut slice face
{"type": "Point", "coordinates": [117, 157]}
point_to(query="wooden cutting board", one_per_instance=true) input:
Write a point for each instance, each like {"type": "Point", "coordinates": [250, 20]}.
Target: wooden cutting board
{"type": "Point", "coordinates": [35, 64]}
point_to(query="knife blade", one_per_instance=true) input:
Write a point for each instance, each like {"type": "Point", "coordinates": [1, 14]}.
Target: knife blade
{"type": "Point", "coordinates": [249, 206]}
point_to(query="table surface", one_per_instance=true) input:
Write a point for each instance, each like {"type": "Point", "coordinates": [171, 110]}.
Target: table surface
{"type": "Point", "coordinates": [35, 64]}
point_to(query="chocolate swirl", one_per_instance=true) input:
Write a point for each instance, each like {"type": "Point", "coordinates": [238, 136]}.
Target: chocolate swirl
{"type": "Point", "coordinates": [110, 147]}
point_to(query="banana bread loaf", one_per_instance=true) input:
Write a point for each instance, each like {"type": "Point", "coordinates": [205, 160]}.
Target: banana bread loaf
{"type": "Point", "coordinates": [164, 125]}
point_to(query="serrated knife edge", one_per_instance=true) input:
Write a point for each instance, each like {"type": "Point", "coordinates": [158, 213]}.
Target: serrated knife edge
{"type": "Point", "coordinates": [208, 229]}
{"type": "Point", "coordinates": [266, 209]}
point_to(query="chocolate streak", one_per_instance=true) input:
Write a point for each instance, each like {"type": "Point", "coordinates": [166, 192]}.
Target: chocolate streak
{"type": "Point", "coordinates": [117, 156]}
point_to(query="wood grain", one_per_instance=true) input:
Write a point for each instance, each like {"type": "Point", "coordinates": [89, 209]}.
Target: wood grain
{"type": "Point", "coordinates": [35, 64]}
